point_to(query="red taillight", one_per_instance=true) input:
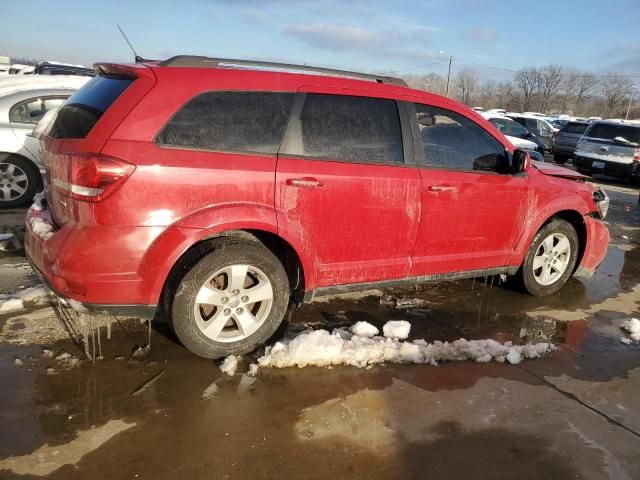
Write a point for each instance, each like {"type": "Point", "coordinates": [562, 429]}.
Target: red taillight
{"type": "Point", "coordinates": [89, 177]}
{"type": "Point", "coordinates": [636, 155]}
{"type": "Point", "coordinates": [558, 136]}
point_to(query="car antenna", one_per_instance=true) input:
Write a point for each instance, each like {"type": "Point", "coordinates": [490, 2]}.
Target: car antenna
{"type": "Point", "coordinates": [136, 57]}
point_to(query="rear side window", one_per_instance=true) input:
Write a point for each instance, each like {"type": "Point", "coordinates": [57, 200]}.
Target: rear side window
{"type": "Point", "coordinates": [609, 131]}
{"type": "Point", "coordinates": [243, 122]}
{"type": "Point", "coordinates": [454, 142]}
{"type": "Point", "coordinates": [82, 111]}
{"type": "Point", "coordinates": [348, 128]}
{"type": "Point", "coordinates": [573, 127]}
{"type": "Point", "coordinates": [32, 110]}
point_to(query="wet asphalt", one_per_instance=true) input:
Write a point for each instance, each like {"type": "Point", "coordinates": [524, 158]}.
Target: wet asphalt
{"type": "Point", "coordinates": [165, 414]}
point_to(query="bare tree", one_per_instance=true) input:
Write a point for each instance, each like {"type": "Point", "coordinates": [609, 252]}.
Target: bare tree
{"type": "Point", "coordinates": [467, 84]}
{"type": "Point", "coordinates": [550, 80]}
{"type": "Point", "coordinates": [505, 94]}
{"type": "Point", "coordinates": [615, 93]}
{"type": "Point", "coordinates": [586, 82]}
{"type": "Point", "coordinates": [528, 81]}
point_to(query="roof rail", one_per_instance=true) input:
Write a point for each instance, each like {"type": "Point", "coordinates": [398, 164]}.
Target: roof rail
{"type": "Point", "coordinates": [200, 61]}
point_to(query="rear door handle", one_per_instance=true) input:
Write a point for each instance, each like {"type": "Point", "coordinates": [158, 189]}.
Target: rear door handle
{"type": "Point", "coordinates": [305, 182]}
{"type": "Point", "coordinates": [442, 188]}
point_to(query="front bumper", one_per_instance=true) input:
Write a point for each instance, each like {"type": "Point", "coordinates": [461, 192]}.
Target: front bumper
{"type": "Point", "coordinates": [595, 249]}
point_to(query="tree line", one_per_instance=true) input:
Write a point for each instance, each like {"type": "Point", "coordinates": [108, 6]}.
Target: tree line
{"type": "Point", "coordinates": [551, 89]}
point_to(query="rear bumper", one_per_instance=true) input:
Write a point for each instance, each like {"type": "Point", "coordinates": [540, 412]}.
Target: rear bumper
{"type": "Point", "coordinates": [595, 249]}
{"type": "Point", "coordinates": [613, 169]}
{"type": "Point", "coordinates": [92, 268]}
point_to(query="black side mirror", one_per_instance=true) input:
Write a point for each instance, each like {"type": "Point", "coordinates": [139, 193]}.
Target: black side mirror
{"type": "Point", "coordinates": [520, 160]}
{"type": "Point", "coordinates": [493, 162]}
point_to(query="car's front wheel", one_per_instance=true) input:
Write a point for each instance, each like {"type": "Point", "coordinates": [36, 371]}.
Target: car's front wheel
{"type": "Point", "coordinates": [231, 301]}
{"type": "Point", "coordinates": [551, 258]}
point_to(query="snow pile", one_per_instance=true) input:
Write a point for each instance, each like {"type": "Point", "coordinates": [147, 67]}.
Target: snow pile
{"type": "Point", "coordinates": [15, 301]}
{"type": "Point", "coordinates": [253, 370]}
{"type": "Point", "coordinates": [39, 218]}
{"type": "Point", "coordinates": [340, 347]}
{"type": "Point", "coordinates": [11, 305]}
{"type": "Point", "coordinates": [229, 365]}
{"type": "Point", "coordinates": [633, 327]}
{"type": "Point", "coordinates": [364, 329]}
{"type": "Point", "coordinates": [397, 329]}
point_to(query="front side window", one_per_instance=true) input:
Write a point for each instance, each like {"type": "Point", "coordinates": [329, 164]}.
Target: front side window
{"type": "Point", "coordinates": [517, 129]}
{"type": "Point", "coordinates": [32, 110]}
{"type": "Point", "coordinates": [532, 124]}
{"type": "Point", "coordinates": [348, 128]}
{"type": "Point", "coordinates": [230, 121]}
{"type": "Point", "coordinates": [454, 142]}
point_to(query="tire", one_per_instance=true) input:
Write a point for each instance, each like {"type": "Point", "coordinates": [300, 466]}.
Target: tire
{"type": "Point", "coordinates": [560, 159]}
{"type": "Point", "coordinates": [230, 333]}
{"type": "Point", "coordinates": [533, 279]}
{"type": "Point", "coordinates": [14, 192]}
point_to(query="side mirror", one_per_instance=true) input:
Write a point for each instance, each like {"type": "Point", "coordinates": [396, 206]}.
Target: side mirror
{"type": "Point", "coordinates": [493, 162]}
{"type": "Point", "coordinates": [520, 160]}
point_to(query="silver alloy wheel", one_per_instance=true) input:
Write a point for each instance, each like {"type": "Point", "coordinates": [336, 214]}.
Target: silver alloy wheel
{"type": "Point", "coordinates": [551, 259]}
{"type": "Point", "coordinates": [233, 303]}
{"type": "Point", "coordinates": [13, 182]}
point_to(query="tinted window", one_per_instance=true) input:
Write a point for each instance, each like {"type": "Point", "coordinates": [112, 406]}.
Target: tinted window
{"type": "Point", "coordinates": [531, 123]}
{"type": "Point", "coordinates": [355, 129]}
{"type": "Point", "coordinates": [501, 124]}
{"type": "Point", "coordinates": [574, 127]}
{"type": "Point", "coordinates": [32, 110]}
{"type": "Point", "coordinates": [85, 107]}
{"type": "Point", "coordinates": [609, 131]}
{"type": "Point", "coordinates": [517, 129]}
{"type": "Point", "coordinates": [248, 122]}
{"type": "Point", "coordinates": [454, 142]}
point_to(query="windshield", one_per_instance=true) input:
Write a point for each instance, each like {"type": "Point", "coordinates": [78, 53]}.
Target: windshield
{"type": "Point", "coordinates": [609, 131]}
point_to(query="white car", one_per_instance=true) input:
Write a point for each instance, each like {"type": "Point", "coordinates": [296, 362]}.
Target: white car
{"type": "Point", "coordinates": [23, 102]}
{"type": "Point", "coordinates": [517, 142]}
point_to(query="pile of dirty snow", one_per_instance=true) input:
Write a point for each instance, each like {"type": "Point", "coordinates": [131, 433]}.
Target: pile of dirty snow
{"type": "Point", "coordinates": [39, 218]}
{"type": "Point", "coordinates": [633, 327]}
{"type": "Point", "coordinates": [15, 301]}
{"type": "Point", "coordinates": [343, 347]}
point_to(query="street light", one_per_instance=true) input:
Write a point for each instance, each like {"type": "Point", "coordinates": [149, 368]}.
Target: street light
{"type": "Point", "coordinates": [442, 52]}
{"type": "Point", "coordinates": [626, 117]}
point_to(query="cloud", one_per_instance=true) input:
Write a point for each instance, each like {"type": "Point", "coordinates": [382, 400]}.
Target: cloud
{"type": "Point", "coordinates": [481, 34]}
{"type": "Point", "coordinates": [255, 16]}
{"type": "Point", "coordinates": [623, 59]}
{"type": "Point", "coordinates": [336, 37]}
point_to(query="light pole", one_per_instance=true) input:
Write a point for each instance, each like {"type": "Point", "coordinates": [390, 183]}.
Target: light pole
{"type": "Point", "coordinates": [626, 117]}
{"type": "Point", "coordinates": [442, 52]}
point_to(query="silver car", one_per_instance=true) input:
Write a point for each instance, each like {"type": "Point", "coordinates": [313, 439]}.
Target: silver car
{"type": "Point", "coordinates": [23, 102]}
{"type": "Point", "coordinates": [610, 147]}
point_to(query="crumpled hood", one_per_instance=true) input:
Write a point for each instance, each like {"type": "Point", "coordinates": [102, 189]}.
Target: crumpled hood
{"type": "Point", "coordinates": [556, 170]}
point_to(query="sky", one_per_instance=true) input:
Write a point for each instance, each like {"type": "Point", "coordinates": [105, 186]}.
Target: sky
{"type": "Point", "coordinates": [398, 37]}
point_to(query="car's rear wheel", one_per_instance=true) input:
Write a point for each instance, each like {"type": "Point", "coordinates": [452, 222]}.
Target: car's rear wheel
{"type": "Point", "coordinates": [551, 258]}
{"type": "Point", "coordinates": [19, 181]}
{"type": "Point", "coordinates": [231, 301]}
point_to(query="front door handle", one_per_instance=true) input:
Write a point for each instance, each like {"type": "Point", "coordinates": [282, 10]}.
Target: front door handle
{"type": "Point", "coordinates": [442, 188]}
{"type": "Point", "coordinates": [305, 182]}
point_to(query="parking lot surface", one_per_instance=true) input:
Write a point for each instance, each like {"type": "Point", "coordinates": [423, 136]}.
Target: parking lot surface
{"type": "Point", "coordinates": [163, 413]}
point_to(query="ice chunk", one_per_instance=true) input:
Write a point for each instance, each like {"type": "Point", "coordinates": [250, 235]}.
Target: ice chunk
{"type": "Point", "coordinates": [11, 305]}
{"type": "Point", "coordinates": [625, 340]}
{"type": "Point", "coordinates": [513, 357]}
{"type": "Point", "coordinates": [632, 325]}
{"type": "Point", "coordinates": [364, 329]}
{"type": "Point", "coordinates": [397, 329]}
{"type": "Point", "coordinates": [253, 370]}
{"type": "Point", "coordinates": [5, 236]}
{"type": "Point", "coordinates": [229, 365]}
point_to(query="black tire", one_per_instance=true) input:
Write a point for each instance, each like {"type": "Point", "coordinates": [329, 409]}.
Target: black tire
{"type": "Point", "coordinates": [526, 272]}
{"type": "Point", "coordinates": [33, 180]}
{"type": "Point", "coordinates": [560, 159]}
{"type": "Point", "coordinates": [228, 252]}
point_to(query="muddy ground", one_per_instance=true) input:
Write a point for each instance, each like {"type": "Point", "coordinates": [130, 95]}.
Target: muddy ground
{"type": "Point", "coordinates": [165, 414]}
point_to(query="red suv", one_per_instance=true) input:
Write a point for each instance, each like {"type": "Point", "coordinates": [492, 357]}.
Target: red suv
{"type": "Point", "coordinates": [222, 191]}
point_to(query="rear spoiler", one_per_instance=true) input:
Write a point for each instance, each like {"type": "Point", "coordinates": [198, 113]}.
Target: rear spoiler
{"type": "Point", "coordinates": [120, 70]}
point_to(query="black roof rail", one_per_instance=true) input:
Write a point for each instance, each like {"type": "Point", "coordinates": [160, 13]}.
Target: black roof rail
{"type": "Point", "coordinates": [200, 61]}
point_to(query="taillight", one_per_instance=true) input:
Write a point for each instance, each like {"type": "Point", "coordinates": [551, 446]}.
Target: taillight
{"type": "Point", "coordinates": [636, 155]}
{"type": "Point", "coordinates": [558, 136]}
{"type": "Point", "coordinates": [89, 177]}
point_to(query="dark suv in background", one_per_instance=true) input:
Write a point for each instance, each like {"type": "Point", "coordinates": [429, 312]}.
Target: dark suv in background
{"type": "Point", "coordinates": [566, 139]}
{"type": "Point", "coordinates": [539, 127]}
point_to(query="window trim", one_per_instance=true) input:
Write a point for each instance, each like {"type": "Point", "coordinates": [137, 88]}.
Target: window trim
{"type": "Point", "coordinates": [293, 132]}
{"type": "Point", "coordinates": [40, 97]}
{"type": "Point", "coordinates": [419, 150]}
{"type": "Point", "coordinates": [169, 146]}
